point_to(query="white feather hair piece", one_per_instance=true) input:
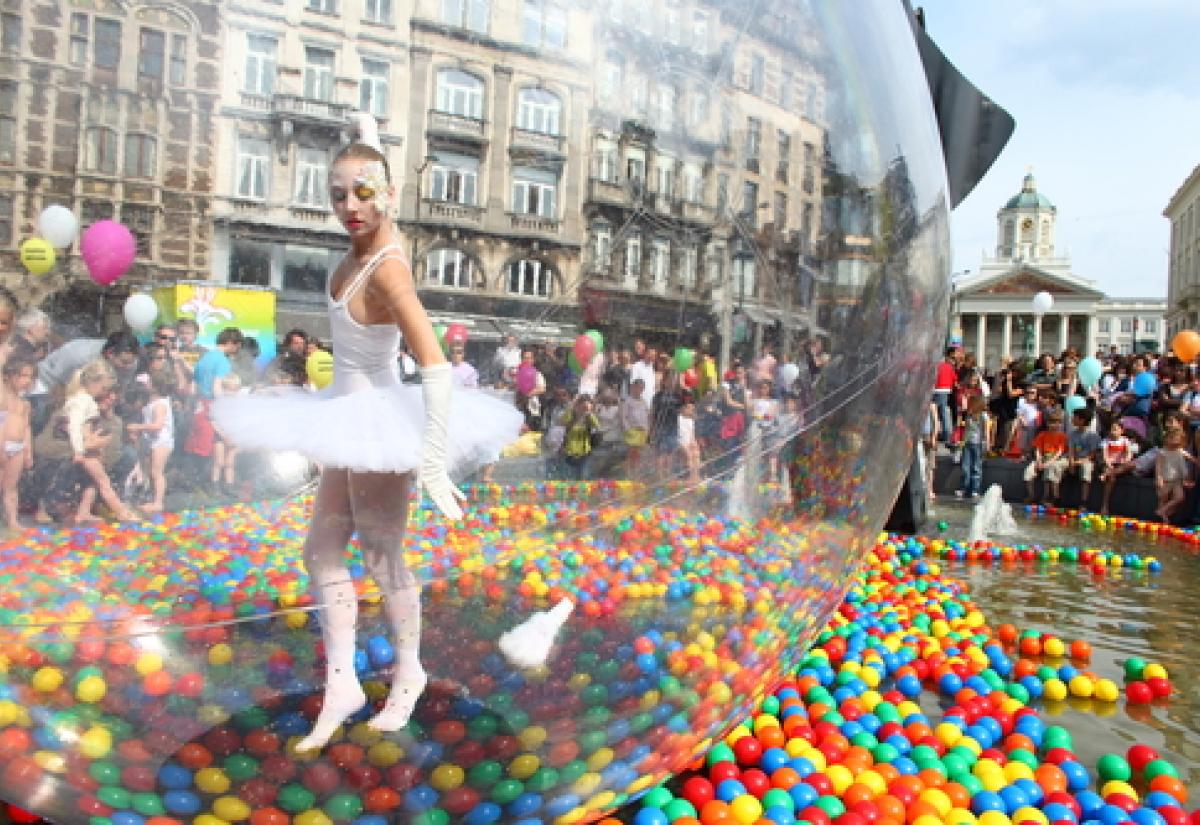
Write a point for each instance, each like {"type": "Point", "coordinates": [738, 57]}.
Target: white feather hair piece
{"type": "Point", "coordinates": [365, 130]}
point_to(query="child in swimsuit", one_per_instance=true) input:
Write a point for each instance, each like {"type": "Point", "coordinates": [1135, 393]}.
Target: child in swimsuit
{"type": "Point", "coordinates": [17, 454]}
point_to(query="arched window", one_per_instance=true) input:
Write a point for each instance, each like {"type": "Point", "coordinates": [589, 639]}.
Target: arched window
{"type": "Point", "coordinates": [1010, 234]}
{"type": "Point", "coordinates": [539, 110]}
{"type": "Point", "coordinates": [460, 93]}
{"type": "Point", "coordinates": [450, 268]}
{"type": "Point", "coordinates": [529, 277]}
{"type": "Point", "coordinates": [141, 156]}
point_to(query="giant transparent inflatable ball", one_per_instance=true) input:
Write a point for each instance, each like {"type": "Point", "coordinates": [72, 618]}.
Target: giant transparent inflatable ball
{"type": "Point", "coordinates": [677, 183]}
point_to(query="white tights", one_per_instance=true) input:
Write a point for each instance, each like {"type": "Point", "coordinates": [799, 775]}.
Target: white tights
{"type": "Point", "coordinates": [374, 505]}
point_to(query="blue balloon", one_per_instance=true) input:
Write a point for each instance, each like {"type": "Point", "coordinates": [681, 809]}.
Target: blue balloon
{"type": "Point", "coordinates": [1089, 371]}
{"type": "Point", "coordinates": [1073, 403]}
{"type": "Point", "coordinates": [1144, 383]}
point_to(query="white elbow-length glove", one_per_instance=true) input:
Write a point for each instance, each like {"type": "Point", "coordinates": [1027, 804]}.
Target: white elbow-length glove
{"type": "Point", "coordinates": [433, 478]}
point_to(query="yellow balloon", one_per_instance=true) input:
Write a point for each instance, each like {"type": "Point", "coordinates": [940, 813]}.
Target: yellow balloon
{"type": "Point", "coordinates": [37, 255]}
{"type": "Point", "coordinates": [320, 369]}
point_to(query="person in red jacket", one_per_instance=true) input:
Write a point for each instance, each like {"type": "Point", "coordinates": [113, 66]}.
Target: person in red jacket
{"type": "Point", "coordinates": [943, 391]}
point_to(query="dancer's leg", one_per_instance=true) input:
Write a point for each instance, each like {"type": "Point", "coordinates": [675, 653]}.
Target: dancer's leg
{"type": "Point", "coordinates": [379, 502]}
{"type": "Point", "coordinates": [333, 589]}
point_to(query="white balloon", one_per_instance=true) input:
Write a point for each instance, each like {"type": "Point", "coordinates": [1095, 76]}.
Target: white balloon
{"type": "Point", "coordinates": [140, 311]}
{"type": "Point", "coordinates": [789, 373]}
{"type": "Point", "coordinates": [58, 225]}
{"type": "Point", "coordinates": [1042, 302]}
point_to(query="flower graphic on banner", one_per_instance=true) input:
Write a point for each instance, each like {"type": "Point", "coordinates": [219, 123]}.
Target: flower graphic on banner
{"type": "Point", "coordinates": [200, 306]}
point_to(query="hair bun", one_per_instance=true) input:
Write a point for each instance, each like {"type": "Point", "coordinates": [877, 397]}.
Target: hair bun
{"type": "Point", "coordinates": [365, 130]}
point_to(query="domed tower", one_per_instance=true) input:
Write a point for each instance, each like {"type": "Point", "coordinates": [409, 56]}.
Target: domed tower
{"type": "Point", "coordinates": [1025, 226]}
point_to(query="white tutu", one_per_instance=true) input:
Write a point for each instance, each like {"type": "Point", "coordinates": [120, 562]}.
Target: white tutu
{"type": "Point", "coordinates": [371, 430]}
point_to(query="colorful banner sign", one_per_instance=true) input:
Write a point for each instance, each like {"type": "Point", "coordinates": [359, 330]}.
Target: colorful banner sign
{"type": "Point", "coordinates": [215, 307]}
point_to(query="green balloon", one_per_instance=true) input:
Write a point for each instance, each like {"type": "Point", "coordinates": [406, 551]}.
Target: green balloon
{"type": "Point", "coordinates": [684, 358]}
{"type": "Point", "coordinates": [597, 339]}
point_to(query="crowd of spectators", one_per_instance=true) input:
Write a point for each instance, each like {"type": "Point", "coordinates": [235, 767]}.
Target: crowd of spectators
{"type": "Point", "coordinates": [120, 426]}
{"type": "Point", "coordinates": [1041, 412]}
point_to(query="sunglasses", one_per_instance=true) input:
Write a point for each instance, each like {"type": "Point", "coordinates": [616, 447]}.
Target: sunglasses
{"type": "Point", "coordinates": [166, 337]}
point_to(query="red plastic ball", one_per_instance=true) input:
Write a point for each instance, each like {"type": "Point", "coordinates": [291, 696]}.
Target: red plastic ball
{"type": "Point", "coordinates": [1139, 756]}
{"type": "Point", "coordinates": [697, 790]}
{"type": "Point", "coordinates": [755, 782]}
{"type": "Point", "coordinates": [1138, 693]}
{"type": "Point", "coordinates": [1161, 688]}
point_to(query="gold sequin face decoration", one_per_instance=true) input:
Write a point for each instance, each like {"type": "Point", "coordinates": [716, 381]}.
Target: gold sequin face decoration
{"type": "Point", "coordinates": [372, 185]}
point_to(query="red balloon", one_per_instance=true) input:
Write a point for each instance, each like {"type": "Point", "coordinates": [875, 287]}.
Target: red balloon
{"type": "Point", "coordinates": [690, 378]}
{"type": "Point", "coordinates": [585, 348]}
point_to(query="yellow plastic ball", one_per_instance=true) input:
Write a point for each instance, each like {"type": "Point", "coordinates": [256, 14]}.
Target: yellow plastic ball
{"type": "Point", "coordinates": [1054, 646]}
{"type": "Point", "coordinates": [91, 689]}
{"type": "Point", "coordinates": [47, 680]}
{"type": "Point", "coordinates": [532, 737]}
{"type": "Point", "coordinates": [95, 742]}
{"type": "Point", "coordinates": [313, 816]}
{"type": "Point", "coordinates": [148, 663]}
{"type": "Point", "coordinates": [231, 809]}
{"type": "Point", "coordinates": [211, 780]}
{"type": "Point", "coordinates": [960, 816]}
{"type": "Point", "coordinates": [1154, 671]}
{"type": "Point", "coordinates": [1054, 690]}
{"type": "Point", "coordinates": [384, 754]}
{"type": "Point", "coordinates": [994, 818]}
{"type": "Point", "coordinates": [220, 654]}
{"type": "Point", "coordinates": [1030, 814]}
{"type": "Point", "coordinates": [938, 799]}
{"type": "Point", "coordinates": [840, 777]}
{"type": "Point", "coordinates": [746, 809]}
{"type": "Point", "coordinates": [1106, 690]}
{"type": "Point", "coordinates": [1117, 786]}
{"type": "Point", "coordinates": [524, 766]}
{"type": "Point", "coordinates": [927, 819]}
{"type": "Point", "coordinates": [446, 777]}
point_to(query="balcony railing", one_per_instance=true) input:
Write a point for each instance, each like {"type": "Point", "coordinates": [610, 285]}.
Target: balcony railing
{"type": "Point", "coordinates": [303, 108]}
{"type": "Point", "coordinates": [533, 224]}
{"type": "Point", "coordinates": [456, 214]}
{"type": "Point", "coordinates": [606, 191]}
{"type": "Point", "coordinates": [457, 125]}
{"type": "Point", "coordinates": [698, 213]}
{"type": "Point", "coordinates": [542, 142]}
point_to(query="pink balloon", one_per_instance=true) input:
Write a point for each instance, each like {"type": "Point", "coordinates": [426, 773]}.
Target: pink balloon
{"type": "Point", "coordinates": [526, 378]}
{"type": "Point", "coordinates": [108, 250]}
{"type": "Point", "coordinates": [585, 348]}
{"type": "Point", "coordinates": [456, 334]}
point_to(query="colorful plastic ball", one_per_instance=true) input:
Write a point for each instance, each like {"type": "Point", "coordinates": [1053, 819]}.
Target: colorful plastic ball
{"type": "Point", "coordinates": [1138, 693]}
{"type": "Point", "coordinates": [1111, 766]}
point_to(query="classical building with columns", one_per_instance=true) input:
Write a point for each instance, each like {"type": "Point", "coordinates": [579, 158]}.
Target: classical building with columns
{"type": "Point", "coordinates": [993, 313]}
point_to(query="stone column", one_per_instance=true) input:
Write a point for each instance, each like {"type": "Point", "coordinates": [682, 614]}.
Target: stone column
{"type": "Point", "coordinates": [1037, 335]}
{"type": "Point", "coordinates": [414, 148]}
{"type": "Point", "coordinates": [1093, 324]}
{"type": "Point", "coordinates": [498, 194]}
{"type": "Point", "coordinates": [1064, 332]}
{"type": "Point", "coordinates": [981, 339]}
{"type": "Point", "coordinates": [1006, 336]}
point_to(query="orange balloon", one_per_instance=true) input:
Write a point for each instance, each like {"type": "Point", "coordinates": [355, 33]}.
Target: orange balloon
{"type": "Point", "coordinates": [1186, 344]}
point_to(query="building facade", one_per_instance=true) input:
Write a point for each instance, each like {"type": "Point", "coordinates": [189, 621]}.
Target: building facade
{"type": "Point", "coordinates": [1183, 276]}
{"type": "Point", "coordinates": [993, 314]}
{"type": "Point", "coordinates": [107, 108]}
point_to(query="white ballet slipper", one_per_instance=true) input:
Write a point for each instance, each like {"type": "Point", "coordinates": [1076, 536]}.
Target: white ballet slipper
{"type": "Point", "coordinates": [528, 644]}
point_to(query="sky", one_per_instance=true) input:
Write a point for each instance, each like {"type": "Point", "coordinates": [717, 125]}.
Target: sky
{"type": "Point", "coordinates": [1106, 96]}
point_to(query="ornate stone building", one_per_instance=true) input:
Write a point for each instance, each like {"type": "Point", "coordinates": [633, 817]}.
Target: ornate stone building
{"type": "Point", "coordinates": [993, 314]}
{"type": "Point", "coordinates": [1183, 278]}
{"type": "Point", "coordinates": [107, 108]}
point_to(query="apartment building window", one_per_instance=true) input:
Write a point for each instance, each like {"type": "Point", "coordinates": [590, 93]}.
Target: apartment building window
{"type": "Point", "coordinates": [101, 150]}
{"type": "Point", "coordinates": [784, 141]}
{"type": "Point", "coordinates": [451, 268]}
{"type": "Point", "coordinates": [700, 31]}
{"type": "Point", "coordinates": [459, 93]}
{"type": "Point", "coordinates": [1104, 326]}
{"type": "Point", "coordinates": [743, 274]}
{"type": "Point", "coordinates": [10, 32]}
{"type": "Point", "coordinates": [693, 185]}
{"type": "Point", "coordinates": [178, 59]}
{"type": "Point", "coordinates": [688, 263]}
{"type": "Point", "coordinates": [1127, 325]}
{"type": "Point", "coordinates": [753, 140]}
{"type": "Point", "coordinates": [306, 268]}
{"type": "Point", "coordinates": [665, 115]}
{"type": "Point", "coordinates": [8, 122]}
{"type": "Point", "coordinates": [665, 177]}
{"type": "Point", "coordinates": [633, 260]}
{"type": "Point", "coordinates": [455, 178]}
{"type": "Point", "coordinates": [781, 206]}
{"type": "Point", "coordinates": [140, 220]}
{"type": "Point", "coordinates": [539, 111]}
{"type": "Point", "coordinates": [601, 245]}
{"type": "Point", "coordinates": [660, 262]}
{"type": "Point", "coordinates": [6, 220]}
{"type": "Point", "coordinates": [713, 262]}
{"type": "Point", "coordinates": [318, 73]}
{"type": "Point", "coordinates": [466, 14]}
{"type": "Point", "coordinates": [322, 6]}
{"type": "Point", "coordinates": [141, 156]}
{"type": "Point", "coordinates": [604, 160]}
{"type": "Point", "coordinates": [534, 191]}
{"type": "Point", "coordinates": [312, 172]}
{"type": "Point", "coordinates": [529, 277]}
{"type": "Point", "coordinates": [806, 226]}
{"type": "Point", "coordinates": [635, 172]}
{"type": "Point", "coordinates": [1150, 326]}
{"type": "Point", "coordinates": [373, 87]}
{"type": "Point", "coordinates": [378, 11]}
{"type": "Point", "coordinates": [758, 73]}
{"type": "Point", "coordinates": [152, 54]}
{"type": "Point", "coordinates": [749, 210]}
{"type": "Point", "coordinates": [787, 90]}
{"type": "Point", "coordinates": [108, 44]}
{"type": "Point", "coordinates": [77, 50]}
{"type": "Point", "coordinates": [250, 263]}
{"type": "Point", "coordinates": [544, 25]}
{"type": "Point", "coordinates": [261, 64]}
{"type": "Point", "coordinates": [253, 168]}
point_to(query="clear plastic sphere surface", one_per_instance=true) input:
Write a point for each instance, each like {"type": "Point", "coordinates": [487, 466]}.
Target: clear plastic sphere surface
{"type": "Point", "coordinates": [747, 199]}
